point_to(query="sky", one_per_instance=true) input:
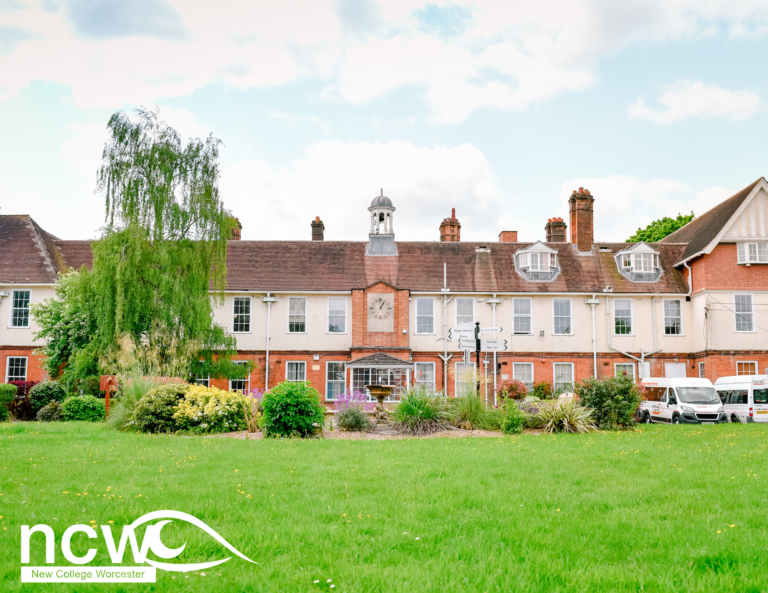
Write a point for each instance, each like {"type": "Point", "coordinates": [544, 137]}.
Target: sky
{"type": "Point", "coordinates": [498, 109]}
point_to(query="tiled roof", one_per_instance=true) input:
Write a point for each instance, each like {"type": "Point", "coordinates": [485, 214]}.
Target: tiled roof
{"type": "Point", "coordinates": [336, 265]}
{"type": "Point", "coordinates": [30, 255]}
{"type": "Point", "coordinates": [379, 359]}
{"type": "Point", "coordinates": [700, 232]}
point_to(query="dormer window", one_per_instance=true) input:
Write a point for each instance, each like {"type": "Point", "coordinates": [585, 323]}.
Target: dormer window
{"type": "Point", "coordinates": [639, 264]}
{"type": "Point", "coordinates": [537, 263]}
{"type": "Point", "coordinates": [753, 253]}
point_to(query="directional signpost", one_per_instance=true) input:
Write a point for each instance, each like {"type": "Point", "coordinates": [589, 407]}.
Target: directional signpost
{"type": "Point", "coordinates": [485, 345]}
{"type": "Point", "coordinates": [457, 334]}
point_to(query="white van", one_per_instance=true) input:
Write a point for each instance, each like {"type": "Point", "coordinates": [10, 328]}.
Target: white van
{"type": "Point", "coordinates": [684, 400]}
{"type": "Point", "coordinates": [745, 398]}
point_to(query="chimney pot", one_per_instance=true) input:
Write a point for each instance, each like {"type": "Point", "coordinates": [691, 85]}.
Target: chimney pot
{"type": "Point", "coordinates": [236, 230]}
{"type": "Point", "coordinates": [508, 237]}
{"type": "Point", "coordinates": [582, 220]}
{"type": "Point", "coordinates": [581, 190]}
{"type": "Point", "coordinates": [450, 228]}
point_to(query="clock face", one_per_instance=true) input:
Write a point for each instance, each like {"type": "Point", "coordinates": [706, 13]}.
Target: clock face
{"type": "Point", "coordinates": [380, 308]}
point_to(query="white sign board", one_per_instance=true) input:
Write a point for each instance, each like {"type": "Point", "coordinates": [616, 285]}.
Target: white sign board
{"type": "Point", "coordinates": [493, 345]}
{"type": "Point", "coordinates": [454, 334]}
{"type": "Point", "coordinates": [491, 330]}
{"type": "Point", "coordinates": [467, 344]}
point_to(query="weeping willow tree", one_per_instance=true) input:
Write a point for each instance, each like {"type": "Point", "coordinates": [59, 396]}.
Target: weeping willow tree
{"type": "Point", "coordinates": [159, 267]}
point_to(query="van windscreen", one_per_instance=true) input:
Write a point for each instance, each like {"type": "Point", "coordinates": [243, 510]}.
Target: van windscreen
{"type": "Point", "coordinates": [697, 395]}
{"type": "Point", "coordinates": [761, 396]}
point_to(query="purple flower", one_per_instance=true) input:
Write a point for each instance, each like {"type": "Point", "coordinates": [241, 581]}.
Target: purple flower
{"type": "Point", "coordinates": [353, 399]}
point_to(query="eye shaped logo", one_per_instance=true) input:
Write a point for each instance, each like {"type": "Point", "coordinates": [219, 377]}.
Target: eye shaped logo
{"type": "Point", "coordinates": [154, 544]}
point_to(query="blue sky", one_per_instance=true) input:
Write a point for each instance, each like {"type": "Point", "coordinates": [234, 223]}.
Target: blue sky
{"type": "Point", "coordinates": [498, 109]}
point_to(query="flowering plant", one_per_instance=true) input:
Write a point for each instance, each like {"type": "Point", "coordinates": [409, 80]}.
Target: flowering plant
{"type": "Point", "coordinates": [512, 389]}
{"type": "Point", "coordinates": [353, 399]}
{"type": "Point", "coordinates": [208, 409]}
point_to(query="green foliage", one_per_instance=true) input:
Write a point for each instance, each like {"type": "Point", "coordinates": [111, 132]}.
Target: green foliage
{"type": "Point", "coordinates": [421, 412]}
{"type": "Point", "coordinates": [163, 249]}
{"type": "Point", "coordinates": [570, 417]}
{"type": "Point", "coordinates": [659, 229]}
{"type": "Point", "coordinates": [154, 411]}
{"type": "Point", "coordinates": [353, 419]}
{"type": "Point", "coordinates": [543, 390]}
{"type": "Point", "coordinates": [89, 385]}
{"type": "Point", "coordinates": [7, 393]}
{"type": "Point", "coordinates": [290, 409]}
{"type": "Point", "coordinates": [514, 420]}
{"type": "Point", "coordinates": [44, 393]}
{"type": "Point", "coordinates": [512, 389]}
{"type": "Point", "coordinates": [84, 408]}
{"type": "Point", "coordinates": [5, 413]}
{"type": "Point", "coordinates": [471, 409]}
{"type": "Point", "coordinates": [531, 408]}
{"type": "Point", "coordinates": [50, 412]}
{"type": "Point", "coordinates": [132, 386]}
{"type": "Point", "coordinates": [613, 399]}
{"type": "Point", "coordinates": [206, 410]}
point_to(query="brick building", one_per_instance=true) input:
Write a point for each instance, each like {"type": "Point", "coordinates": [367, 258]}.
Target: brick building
{"type": "Point", "coordinates": [344, 314]}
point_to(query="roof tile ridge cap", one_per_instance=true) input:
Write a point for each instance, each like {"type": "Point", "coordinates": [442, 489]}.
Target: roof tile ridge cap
{"type": "Point", "coordinates": [40, 242]}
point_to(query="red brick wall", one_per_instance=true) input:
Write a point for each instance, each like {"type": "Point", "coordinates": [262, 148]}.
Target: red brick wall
{"type": "Point", "coordinates": [719, 271]}
{"type": "Point", "coordinates": [724, 364]}
{"type": "Point", "coordinates": [35, 371]}
{"type": "Point", "coordinates": [361, 338]}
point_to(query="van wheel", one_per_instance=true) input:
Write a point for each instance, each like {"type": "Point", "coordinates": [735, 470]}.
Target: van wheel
{"type": "Point", "coordinates": [675, 419]}
{"type": "Point", "coordinates": [735, 419]}
{"type": "Point", "coordinates": [646, 418]}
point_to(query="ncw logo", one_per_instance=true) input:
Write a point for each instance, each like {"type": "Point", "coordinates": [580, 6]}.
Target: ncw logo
{"type": "Point", "coordinates": [151, 542]}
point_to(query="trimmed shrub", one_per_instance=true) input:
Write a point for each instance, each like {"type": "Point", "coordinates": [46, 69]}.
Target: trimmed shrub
{"type": "Point", "coordinates": [50, 413]}
{"type": "Point", "coordinates": [420, 412]}
{"type": "Point", "coordinates": [7, 395]}
{"type": "Point", "coordinates": [531, 410]}
{"type": "Point", "coordinates": [210, 410]}
{"type": "Point", "coordinates": [543, 390]}
{"type": "Point", "coordinates": [21, 407]}
{"type": "Point", "coordinates": [512, 389]}
{"type": "Point", "coordinates": [46, 392]}
{"type": "Point", "coordinates": [353, 419]}
{"type": "Point", "coordinates": [514, 420]}
{"type": "Point", "coordinates": [614, 400]}
{"type": "Point", "coordinates": [84, 408]}
{"type": "Point", "coordinates": [154, 411]}
{"type": "Point", "coordinates": [290, 409]}
{"type": "Point", "coordinates": [570, 417]}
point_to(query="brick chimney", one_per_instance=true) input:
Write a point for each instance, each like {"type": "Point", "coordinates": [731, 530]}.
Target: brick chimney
{"type": "Point", "coordinates": [317, 229]}
{"type": "Point", "coordinates": [450, 228]}
{"type": "Point", "coordinates": [582, 228]}
{"type": "Point", "coordinates": [555, 228]}
{"type": "Point", "coordinates": [508, 237]}
{"type": "Point", "coordinates": [236, 230]}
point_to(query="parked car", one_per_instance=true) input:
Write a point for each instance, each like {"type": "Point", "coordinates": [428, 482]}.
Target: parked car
{"type": "Point", "coordinates": [745, 397]}
{"type": "Point", "coordinates": [684, 400]}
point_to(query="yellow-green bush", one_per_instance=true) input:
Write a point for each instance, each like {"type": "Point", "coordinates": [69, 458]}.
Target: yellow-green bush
{"type": "Point", "coordinates": [208, 409]}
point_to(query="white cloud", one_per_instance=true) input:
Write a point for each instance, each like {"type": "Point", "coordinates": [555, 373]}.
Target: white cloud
{"type": "Point", "coordinates": [624, 203]}
{"type": "Point", "coordinates": [501, 54]}
{"type": "Point", "coordinates": [690, 98]}
{"type": "Point", "coordinates": [338, 180]}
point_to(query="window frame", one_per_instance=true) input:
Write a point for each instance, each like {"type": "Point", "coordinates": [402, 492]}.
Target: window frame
{"type": "Point", "coordinates": [515, 377]}
{"type": "Point", "coordinates": [8, 367]}
{"type": "Point", "coordinates": [631, 317]}
{"type": "Point", "coordinates": [570, 315]}
{"type": "Point", "coordinates": [736, 314]}
{"type": "Point", "coordinates": [516, 316]}
{"type": "Point", "coordinates": [433, 383]}
{"type": "Point", "coordinates": [250, 313]}
{"type": "Point", "coordinates": [664, 318]}
{"type": "Point", "coordinates": [247, 379]}
{"type": "Point", "coordinates": [625, 364]}
{"type": "Point", "coordinates": [702, 371]}
{"type": "Point", "coordinates": [304, 362]}
{"type": "Point", "coordinates": [328, 316]}
{"type": "Point", "coordinates": [554, 374]}
{"type": "Point", "coordinates": [13, 298]}
{"type": "Point", "coordinates": [742, 249]}
{"type": "Point", "coordinates": [306, 315]}
{"type": "Point", "coordinates": [327, 381]}
{"type": "Point", "coordinates": [205, 381]}
{"type": "Point", "coordinates": [456, 376]}
{"type": "Point", "coordinates": [456, 313]}
{"type": "Point", "coordinates": [754, 366]}
{"type": "Point", "coordinates": [416, 316]}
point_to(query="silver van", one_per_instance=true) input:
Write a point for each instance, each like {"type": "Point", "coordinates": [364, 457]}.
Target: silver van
{"type": "Point", "coordinates": [745, 397]}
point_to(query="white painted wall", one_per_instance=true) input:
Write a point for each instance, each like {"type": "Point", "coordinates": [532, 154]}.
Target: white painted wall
{"type": "Point", "coordinates": [18, 336]}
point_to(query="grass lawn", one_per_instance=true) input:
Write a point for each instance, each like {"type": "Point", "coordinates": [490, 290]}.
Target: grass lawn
{"type": "Point", "coordinates": [659, 509]}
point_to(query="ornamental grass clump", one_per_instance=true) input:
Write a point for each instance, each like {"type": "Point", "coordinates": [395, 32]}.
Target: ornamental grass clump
{"type": "Point", "coordinates": [570, 418]}
{"type": "Point", "coordinates": [292, 409]}
{"type": "Point", "coordinates": [206, 410]}
{"type": "Point", "coordinates": [469, 410]}
{"type": "Point", "coordinates": [421, 412]}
